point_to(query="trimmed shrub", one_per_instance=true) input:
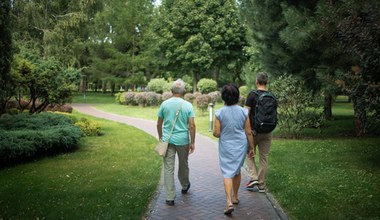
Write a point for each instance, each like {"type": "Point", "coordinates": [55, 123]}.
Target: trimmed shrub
{"type": "Point", "coordinates": [157, 85]}
{"type": "Point", "coordinates": [215, 96]}
{"type": "Point", "coordinates": [151, 99]}
{"type": "Point", "coordinates": [244, 90]}
{"type": "Point", "coordinates": [12, 111]}
{"type": "Point", "coordinates": [206, 86]}
{"type": "Point", "coordinates": [242, 101]}
{"type": "Point", "coordinates": [120, 98]}
{"type": "Point", "coordinates": [189, 97]}
{"type": "Point", "coordinates": [166, 95]}
{"type": "Point", "coordinates": [159, 98]}
{"type": "Point", "coordinates": [140, 99]}
{"type": "Point", "coordinates": [59, 108]}
{"type": "Point", "coordinates": [203, 101]}
{"type": "Point", "coordinates": [26, 136]}
{"type": "Point", "coordinates": [196, 94]}
{"type": "Point", "coordinates": [88, 127]}
{"type": "Point", "coordinates": [130, 98]}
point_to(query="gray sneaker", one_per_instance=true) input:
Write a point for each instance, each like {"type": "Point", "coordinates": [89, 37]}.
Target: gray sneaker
{"type": "Point", "coordinates": [262, 189]}
{"type": "Point", "coordinates": [252, 186]}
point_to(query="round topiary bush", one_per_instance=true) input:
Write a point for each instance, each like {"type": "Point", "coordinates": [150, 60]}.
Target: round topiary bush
{"type": "Point", "coordinates": [157, 85]}
{"type": "Point", "coordinates": [206, 86]}
{"type": "Point", "coordinates": [202, 102]}
{"type": "Point", "coordinates": [120, 98]}
{"type": "Point", "coordinates": [140, 99]}
{"type": "Point", "coordinates": [242, 100]}
{"type": "Point", "coordinates": [130, 98]}
{"type": "Point", "coordinates": [196, 94]}
{"type": "Point", "coordinates": [215, 96]}
{"type": "Point", "coordinates": [189, 97]}
{"type": "Point", "coordinates": [151, 99]}
{"type": "Point", "coordinates": [244, 90]}
{"type": "Point", "coordinates": [166, 95]}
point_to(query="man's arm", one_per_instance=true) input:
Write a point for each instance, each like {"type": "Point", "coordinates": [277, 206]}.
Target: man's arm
{"type": "Point", "coordinates": [192, 135]}
{"type": "Point", "coordinates": [160, 121]}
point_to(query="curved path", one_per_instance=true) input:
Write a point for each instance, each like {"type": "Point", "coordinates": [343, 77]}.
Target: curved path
{"type": "Point", "coordinates": [206, 197]}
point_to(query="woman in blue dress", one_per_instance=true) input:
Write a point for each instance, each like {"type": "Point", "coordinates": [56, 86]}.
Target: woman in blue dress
{"type": "Point", "coordinates": [232, 127]}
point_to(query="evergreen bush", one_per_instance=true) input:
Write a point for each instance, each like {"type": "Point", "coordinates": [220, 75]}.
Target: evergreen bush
{"type": "Point", "coordinates": [206, 86]}
{"type": "Point", "coordinates": [26, 136]}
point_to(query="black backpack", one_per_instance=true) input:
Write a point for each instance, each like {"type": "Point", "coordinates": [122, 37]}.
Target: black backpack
{"type": "Point", "coordinates": [265, 112]}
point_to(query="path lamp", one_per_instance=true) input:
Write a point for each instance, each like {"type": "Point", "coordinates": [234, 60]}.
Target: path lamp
{"type": "Point", "coordinates": [211, 108]}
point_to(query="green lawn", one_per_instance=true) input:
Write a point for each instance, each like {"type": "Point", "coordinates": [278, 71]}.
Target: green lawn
{"type": "Point", "coordinates": [113, 176]}
{"type": "Point", "coordinates": [327, 175]}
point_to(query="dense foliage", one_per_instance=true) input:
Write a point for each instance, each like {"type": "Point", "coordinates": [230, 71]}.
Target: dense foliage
{"type": "Point", "coordinates": [297, 107]}
{"type": "Point", "coordinates": [321, 41]}
{"type": "Point", "coordinates": [5, 55]}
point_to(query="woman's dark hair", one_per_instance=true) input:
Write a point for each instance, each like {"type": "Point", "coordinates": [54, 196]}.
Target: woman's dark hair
{"type": "Point", "coordinates": [230, 94]}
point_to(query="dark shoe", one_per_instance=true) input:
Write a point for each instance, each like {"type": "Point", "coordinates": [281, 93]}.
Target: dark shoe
{"type": "Point", "coordinates": [184, 191]}
{"type": "Point", "coordinates": [170, 202]}
{"type": "Point", "coordinates": [229, 210]}
{"type": "Point", "coordinates": [253, 188]}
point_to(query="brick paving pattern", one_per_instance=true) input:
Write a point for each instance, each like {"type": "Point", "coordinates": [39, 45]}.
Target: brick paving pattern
{"type": "Point", "coordinates": [206, 197]}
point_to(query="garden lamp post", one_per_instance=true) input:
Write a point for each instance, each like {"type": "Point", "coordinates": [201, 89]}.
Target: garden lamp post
{"type": "Point", "coordinates": [211, 107]}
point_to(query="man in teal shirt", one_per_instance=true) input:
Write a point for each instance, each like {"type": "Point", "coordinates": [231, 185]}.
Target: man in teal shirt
{"type": "Point", "coordinates": [179, 142]}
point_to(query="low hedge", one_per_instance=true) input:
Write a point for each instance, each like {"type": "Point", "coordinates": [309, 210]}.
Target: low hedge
{"type": "Point", "coordinates": [24, 136]}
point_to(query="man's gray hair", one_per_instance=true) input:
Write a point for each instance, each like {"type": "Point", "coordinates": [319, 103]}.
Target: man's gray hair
{"type": "Point", "coordinates": [179, 87]}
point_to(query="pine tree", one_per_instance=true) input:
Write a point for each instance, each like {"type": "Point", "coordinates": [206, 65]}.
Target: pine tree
{"type": "Point", "coordinates": [5, 54]}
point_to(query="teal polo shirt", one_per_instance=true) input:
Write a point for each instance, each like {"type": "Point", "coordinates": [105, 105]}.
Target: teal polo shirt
{"type": "Point", "coordinates": [167, 111]}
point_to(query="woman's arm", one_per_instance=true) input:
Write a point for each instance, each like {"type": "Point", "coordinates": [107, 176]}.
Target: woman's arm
{"type": "Point", "coordinates": [216, 128]}
{"type": "Point", "coordinates": [192, 129]}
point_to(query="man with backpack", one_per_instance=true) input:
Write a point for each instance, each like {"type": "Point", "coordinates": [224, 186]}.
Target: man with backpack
{"type": "Point", "coordinates": [262, 107]}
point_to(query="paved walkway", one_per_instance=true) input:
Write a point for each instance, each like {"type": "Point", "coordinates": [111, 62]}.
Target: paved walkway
{"type": "Point", "coordinates": [206, 197]}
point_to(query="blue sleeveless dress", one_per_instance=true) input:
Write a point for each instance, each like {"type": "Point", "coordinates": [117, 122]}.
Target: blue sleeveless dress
{"type": "Point", "coordinates": [233, 143]}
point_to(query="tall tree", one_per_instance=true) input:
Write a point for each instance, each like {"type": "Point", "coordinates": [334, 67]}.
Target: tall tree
{"type": "Point", "coordinates": [203, 38]}
{"type": "Point", "coordinates": [316, 40]}
{"type": "Point", "coordinates": [354, 27]}
{"type": "Point", "coordinates": [56, 28]}
{"type": "Point", "coordinates": [5, 54]}
{"type": "Point", "coordinates": [119, 40]}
